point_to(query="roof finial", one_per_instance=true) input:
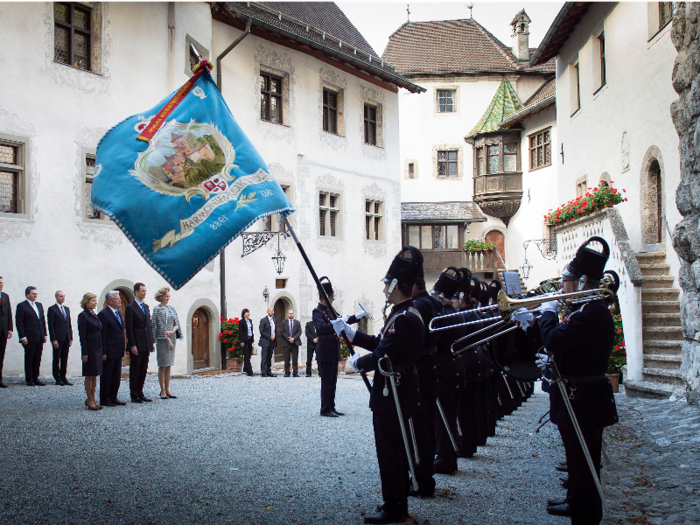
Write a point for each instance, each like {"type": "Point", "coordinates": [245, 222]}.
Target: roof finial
{"type": "Point", "coordinates": [408, 13]}
{"type": "Point", "coordinates": [470, 6]}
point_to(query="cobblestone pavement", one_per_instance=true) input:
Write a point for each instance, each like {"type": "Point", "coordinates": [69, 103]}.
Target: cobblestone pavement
{"type": "Point", "coordinates": [655, 454]}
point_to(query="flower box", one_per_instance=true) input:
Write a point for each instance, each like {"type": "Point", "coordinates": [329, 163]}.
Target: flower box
{"type": "Point", "coordinates": [596, 199]}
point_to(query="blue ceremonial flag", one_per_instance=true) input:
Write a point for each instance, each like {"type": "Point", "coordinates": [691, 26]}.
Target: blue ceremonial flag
{"type": "Point", "coordinates": [182, 180]}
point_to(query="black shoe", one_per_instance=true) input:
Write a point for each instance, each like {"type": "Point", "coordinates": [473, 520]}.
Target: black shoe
{"type": "Point", "coordinates": [145, 399]}
{"type": "Point", "coordinates": [555, 503]}
{"type": "Point", "coordinates": [39, 383]}
{"type": "Point", "coordinates": [422, 492]}
{"type": "Point", "coordinates": [287, 375]}
{"type": "Point", "coordinates": [108, 403]}
{"type": "Point", "coordinates": [66, 382]}
{"type": "Point", "coordinates": [271, 375]}
{"type": "Point", "coordinates": [250, 374]}
{"type": "Point", "coordinates": [116, 401]}
{"type": "Point", "coordinates": [30, 382]}
{"type": "Point", "coordinates": [384, 516]}
{"type": "Point", "coordinates": [308, 375]}
{"type": "Point", "coordinates": [295, 375]}
{"type": "Point", "coordinates": [338, 413]}
{"type": "Point", "coordinates": [565, 484]}
{"type": "Point", "coordinates": [329, 413]}
{"type": "Point", "coordinates": [442, 467]}
{"type": "Point", "coordinates": [2, 385]}
{"type": "Point", "coordinates": [136, 400]}
{"type": "Point", "coordinates": [59, 382]}
{"type": "Point", "coordinates": [562, 468]}
{"type": "Point", "coordinates": [560, 510]}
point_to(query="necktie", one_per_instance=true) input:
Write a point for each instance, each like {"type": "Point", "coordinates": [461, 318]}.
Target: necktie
{"type": "Point", "coordinates": [143, 307]}
{"type": "Point", "coordinates": [119, 317]}
{"type": "Point", "coordinates": [62, 311]}
{"type": "Point", "coordinates": [291, 327]}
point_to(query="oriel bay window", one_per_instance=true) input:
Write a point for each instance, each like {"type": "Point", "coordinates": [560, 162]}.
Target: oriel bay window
{"type": "Point", "coordinates": [271, 98]}
{"type": "Point", "coordinates": [497, 155]}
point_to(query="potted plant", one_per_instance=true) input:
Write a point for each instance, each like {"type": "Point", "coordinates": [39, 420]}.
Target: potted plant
{"type": "Point", "coordinates": [618, 356]}
{"type": "Point", "coordinates": [604, 196]}
{"type": "Point", "coordinates": [344, 354]}
{"type": "Point", "coordinates": [234, 348]}
{"type": "Point", "coordinates": [478, 246]}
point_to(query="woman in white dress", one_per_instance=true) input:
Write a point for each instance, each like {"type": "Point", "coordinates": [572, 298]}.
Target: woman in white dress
{"type": "Point", "coordinates": [166, 329]}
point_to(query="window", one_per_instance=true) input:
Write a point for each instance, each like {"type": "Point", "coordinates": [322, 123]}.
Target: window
{"type": "Point", "coordinates": [90, 212]}
{"type": "Point", "coordinates": [280, 284]}
{"type": "Point", "coordinates": [493, 154]}
{"type": "Point", "coordinates": [272, 223]}
{"type": "Point", "coordinates": [603, 73]}
{"type": "Point", "coordinates": [72, 35]}
{"type": "Point", "coordinates": [11, 169]}
{"type": "Point", "coordinates": [370, 125]}
{"type": "Point", "coordinates": [446, 101]}
{"type": "Point", "coordinates": [434, 236]}
{"type": "Point", "coordinates": [581, 186]}
{"type": "Point", "coordinates": [411, 170]}
{"type": "Point", "coordinates": [271, 98]}
{"type": "Point", "coordinates": [194, 57]}
{"type": "Point", "coordinates": [577, 86]}
{"type": "Point", "coordinates": [330, 111]}
{"type": "Point", "coordinates": [666, 12]}
{"type": "Point", "coordinates": [447, 163]}
{"type": "Point", "coordinates": [480, 161]}
{"type": "Point", "coordinates": [540, 149]}
{"type": "Point", "coordinates": [510, 157]}
{"type": "Point", "coordinates": [373, 220]}
{"type": "Point", "coordinates": [328, 214]}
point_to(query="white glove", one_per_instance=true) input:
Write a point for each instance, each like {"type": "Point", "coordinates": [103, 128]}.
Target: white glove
{"type": "Point", "coordinates": [353, 359]}
{"type": "Point", "coordinates": [340, 326]}
{"type": "Point", "coordinates": [359, 315]}
{"type": "Point", "coordinates": [551, 306]}
{"type": "Point", "coordinates": [524, 317]}
{"type": "Point", "coordinates": [542, 361]}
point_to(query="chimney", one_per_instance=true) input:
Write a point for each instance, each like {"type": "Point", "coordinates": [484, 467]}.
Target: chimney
{"type": "Point", "coordinates": [521, 36]}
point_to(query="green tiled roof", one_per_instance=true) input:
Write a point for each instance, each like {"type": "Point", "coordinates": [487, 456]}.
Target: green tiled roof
{"type": "Point", "coordinates": [504, 103]}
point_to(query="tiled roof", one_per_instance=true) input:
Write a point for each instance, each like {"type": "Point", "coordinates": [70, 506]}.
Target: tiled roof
{"type": "Point", "coordinates": [504, 103]}
{"type": "Point", "coordinates": [451, 46]}
{"type": "Point", "coordinates": [541, 100]}
{"type": "Point", "coordinates": [458, 211]}
{"type": "Point", "coordinates": [319, 26]}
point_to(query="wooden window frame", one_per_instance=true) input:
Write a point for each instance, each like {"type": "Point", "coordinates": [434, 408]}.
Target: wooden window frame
{"type": "Point", "coordinates": [447, 163]}
{"type": "Point", "coordinates": [16, 169]}
{"type": "Point", "coordinates": [534, 145]}
{"type": "Point", "coordinates": [329, 214]}
{"type": "Point", "coordinates": [72, 29]}
{"type": "Point", "coordinates": [330, 111]}
{"type": "Point", "coordinates": [370, 123]}
{"type": "Point", "coordinates": [452, 100]}
{"type": "Point", "coordinates": [666, 8]}
{"type": "Point", "coordinates": [411, 170]}
{"type": "Point", "coordinates": [603, 70]}
{"type": "Point", "coordinates": [432, 236]}
{"type": "Point", "coordinates": [374, 220]}
{"type": "Point", "coordinates": [268, 95]}
{"type": "Point", "coordinates": [577, 78]}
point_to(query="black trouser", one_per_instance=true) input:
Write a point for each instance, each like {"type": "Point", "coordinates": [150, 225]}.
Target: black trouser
{"type": "Point", "coordinates": [247, 352]}
{"type": "Point", "coordinates": [291, 350]}
{"type": "Point", "coordinates": [329, 378]}
{"type": "Point", "coordinates": [3, 345]}
{"type": "Point", "coordinates": [60, 359]}
{"type": "Point", "coordinates": [483, 400]}
{"type": "Point", "coordinates": [449, 400]}
{"type": "Point", "coordinates": [111, 378]}
{"type": "Point", "coordinates": [468, 419]}
{"type": "Point", "coordinates": [32, 360]}
{"type": "Point", "coordinates": [393, 463]}
{"type": "Point", "coordinates": [309, 356]}
{"type": "Point", "coordinates": [137, 373]}
{"type": "Point", "coordinates": [268, 347]}
{"type": "Point", "coordinates": [425, 439]}
{"type": "Point", "coordinates": [586, 506]}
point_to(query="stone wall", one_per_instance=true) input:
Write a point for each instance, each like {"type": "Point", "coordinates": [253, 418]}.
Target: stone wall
{"type": "Point", "coordinates": [686, 238]}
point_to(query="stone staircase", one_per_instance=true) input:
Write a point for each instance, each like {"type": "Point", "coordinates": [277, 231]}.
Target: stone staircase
{"type": "Point", "coordinates": [662, 334]}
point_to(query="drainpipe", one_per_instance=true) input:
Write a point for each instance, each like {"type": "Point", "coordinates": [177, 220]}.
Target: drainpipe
{"type": "Point", "coordinates": [222, 257]}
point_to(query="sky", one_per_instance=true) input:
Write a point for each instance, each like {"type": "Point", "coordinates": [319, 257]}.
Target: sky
{"type": "Point", "coordinates": [378, 20]}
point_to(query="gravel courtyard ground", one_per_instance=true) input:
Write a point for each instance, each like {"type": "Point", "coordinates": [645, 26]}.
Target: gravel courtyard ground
{"type": "Point", "coordinates": [233, 449]}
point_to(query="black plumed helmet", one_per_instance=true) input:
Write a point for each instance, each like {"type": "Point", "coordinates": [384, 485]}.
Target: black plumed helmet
{"type": "Point", "coordinates": [465, 282]}
{"type": "Point", "coordinates": [406, 268]}
{"type": "Point", "coordinates": [494, 288]}
{"type": "Point", "coordinates": [327, 286]}
{"type": "Point", "coordinates": [589, 262]}
{"type": "Point", "coordinates": [447, 284]}
{"type": "Point", "coordinates": [483, 293]}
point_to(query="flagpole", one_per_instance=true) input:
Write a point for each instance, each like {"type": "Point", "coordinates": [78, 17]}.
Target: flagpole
{"type": "Point", "coordinates": [324, 296]}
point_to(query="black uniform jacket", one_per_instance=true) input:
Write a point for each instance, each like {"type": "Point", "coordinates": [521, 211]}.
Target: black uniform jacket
{"type": "Point", "coordinates": [474, 360]}
{"type": "Point", "coordinates": [328, 346]}
{"type": "Point", "coordinates": [427, 365]}
{"type": "Point", "coordinates": [580, 346]}
{"type": "Point", "coordinates": [402, 340]}
{"type": "Point", "coordinates": [452, 373]}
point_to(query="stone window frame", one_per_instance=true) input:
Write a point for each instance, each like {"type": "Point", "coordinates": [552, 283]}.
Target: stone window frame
{"type": "Point", "coordinates": [21, 169]}
{"type": "Point", "coordinates": [203, 51]}
{"type": "Point", "coordinates": [96, 36]}
{"type": "Point", "coordinates": [85, 178]}
{"type": "Point", "coordinates": [544, 148]}
{"type": "Point", "coordinates": [340, 108]}
{"type": "Point", "coordinates": [338, 208]}
{"type": "Point", "coordinates": [284, 76]}
{"type": "Point", "coordinates": [379, 119]}
{"type": "Point", "coordinates": [581, 185]}
{"type": "Point", "coordinates": [460, 161]}
{"type": "Point", "coordinates": [372, 232]}
{"type": "Point", "coordinates": [436, 105]}
{"type": "Point", "coordinates": [407, 169]}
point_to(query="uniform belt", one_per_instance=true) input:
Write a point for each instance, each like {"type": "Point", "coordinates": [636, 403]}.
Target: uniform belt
{"type": "Point", "coordinates": [334, 336]}
{"type": "Point", "coordinates": [582, 380]}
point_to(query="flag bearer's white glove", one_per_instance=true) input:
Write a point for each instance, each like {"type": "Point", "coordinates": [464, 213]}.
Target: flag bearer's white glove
{"type": "Point", "coordinates": [353, 359]}
{"type": "Point", "coordinates": [341, 326]}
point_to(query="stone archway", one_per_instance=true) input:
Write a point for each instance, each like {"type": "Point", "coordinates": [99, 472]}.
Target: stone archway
{"type": "Point", "coordinates": [652, 197]}
{"type": "Point", "coordinates": [203, 307]}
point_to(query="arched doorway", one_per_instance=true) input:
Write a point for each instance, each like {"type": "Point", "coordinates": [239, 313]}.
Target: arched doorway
{"type": "Point", "coordinates": [497, 238]}
{"type": "Point", "coordinates": [281, 307]}
{"type": "Point", "coordinates": [126, 297]}
{"type": "Point", "coordinates": [653, 200]}
{"type": "Point", "coordinates": [200, 339]}
{"type": "Point", "coordinates": [655, 203]}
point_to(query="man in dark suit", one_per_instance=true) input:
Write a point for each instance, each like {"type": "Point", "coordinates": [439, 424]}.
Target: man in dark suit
{"type": "Point", "coordinates": [31, 328]}
{"type": "Point", "coordinates": [268, 331]}
{"type": "Point", "coordinates": [291, 340]}
{"type": "Point", "coordinates": [139, 337]}
{"type": "Point", "coordinates": [311, 340]}
{"type": "Point", "coordinates": [61, 335]}
{"type": "Point", "coordinates": [113, 346]}
{"type": "Point", "coordinates": [246, 335]}
{"type": "Point", "coordinates": [5, 326]}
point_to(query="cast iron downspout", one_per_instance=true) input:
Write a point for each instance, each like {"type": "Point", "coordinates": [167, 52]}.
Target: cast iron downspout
{"type": "Point", "coordinates": [222, 256]}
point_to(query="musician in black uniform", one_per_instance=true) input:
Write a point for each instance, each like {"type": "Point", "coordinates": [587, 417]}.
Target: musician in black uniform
{"type": "Point", "coordinates": [327, 351]}
{"type": "Point", "coordinates": [579, 348]}
{"type": "Point", "coordinates": [401, 340]}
